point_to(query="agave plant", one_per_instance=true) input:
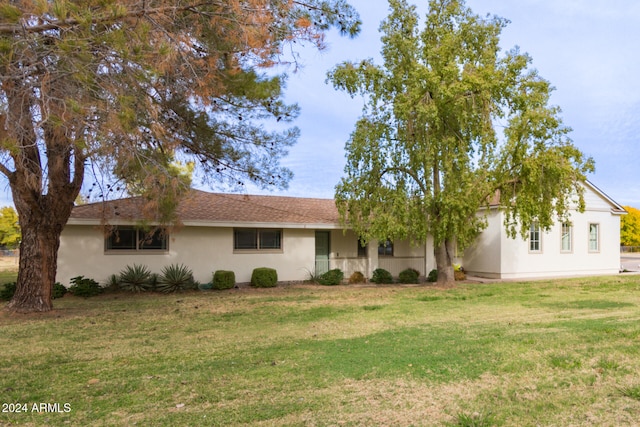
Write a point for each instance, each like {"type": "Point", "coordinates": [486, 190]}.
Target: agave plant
{"type": "Point", "coordinates": [175, 278]}
{"type": "Point", "coordinates": [136, 278]}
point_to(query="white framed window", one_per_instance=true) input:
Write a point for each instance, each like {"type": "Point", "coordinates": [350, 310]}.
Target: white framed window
{"type": "Point", "coordinates": [385, 248]}
{"type": "Point", "coordinates": [594, 237]}
{"type": "Point", "coordinates": [566, 243]}
{"type": "Point", "coordinates": [257, 239]}
{"type": "Point", "coordinates": [535, 237]}
{"type": "Point", "coordinates": [136, 239]}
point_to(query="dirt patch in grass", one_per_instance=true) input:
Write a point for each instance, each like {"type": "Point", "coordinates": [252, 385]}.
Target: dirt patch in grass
{"type": "Point", "coordinates": [398, 402]}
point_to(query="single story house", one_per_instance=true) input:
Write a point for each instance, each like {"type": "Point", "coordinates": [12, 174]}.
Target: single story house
{"type": "Point", "coordinates": [301, 236]}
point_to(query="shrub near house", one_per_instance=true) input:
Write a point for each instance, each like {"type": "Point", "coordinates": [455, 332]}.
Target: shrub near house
{"type": "Point", "coordinates": [223, 279]}
{"type": "Point", "coordinates": [331, 277]}
{"type": "Point", "coordinates": [264, 277]}
{"type": "Point", "coordinates": [409, 275]}
{"type": "Point", "coordinates": [357, 277]}
{"type": "Point", "coordinates": [381, 276]}
{"type": "Point", "coordinates": [84, 287]}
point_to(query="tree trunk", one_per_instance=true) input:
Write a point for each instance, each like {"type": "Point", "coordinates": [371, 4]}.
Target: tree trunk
{"type": "Point", "coordinates": [444, 262]}
{"type": "Point", "coordinates": [45, 141]}
{"type": "Point", "coordinates": [38, 264]}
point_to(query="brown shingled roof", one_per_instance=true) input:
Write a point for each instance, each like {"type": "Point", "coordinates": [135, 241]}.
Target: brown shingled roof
{"type": "Point", "coordinates": [200, 206]}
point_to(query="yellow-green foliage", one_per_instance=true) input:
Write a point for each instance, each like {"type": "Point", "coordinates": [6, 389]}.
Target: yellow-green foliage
{"type": "Point", "coordinates": [630, 227]}
{"type": "Point", "coordinates": [9, 227]}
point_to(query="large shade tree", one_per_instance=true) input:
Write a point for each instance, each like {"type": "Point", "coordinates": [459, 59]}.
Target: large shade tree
{"type": "Point", "coordinates": [132, 88]}
{"type": "Point", "coordinates": [450, 123]}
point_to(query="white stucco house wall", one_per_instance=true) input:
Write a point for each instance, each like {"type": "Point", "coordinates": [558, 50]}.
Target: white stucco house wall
{"type": "Point", "coordinates": [587, 245]}
{"type": "Point", "coordinates": [297, 236]}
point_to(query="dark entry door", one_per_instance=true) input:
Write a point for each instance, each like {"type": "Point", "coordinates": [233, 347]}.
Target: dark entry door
{"type": "Point", "coordinates": [322, 252]}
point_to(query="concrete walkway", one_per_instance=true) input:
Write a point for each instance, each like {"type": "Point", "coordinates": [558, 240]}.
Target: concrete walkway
{"type": "Point", "coordinates": [630, 261]}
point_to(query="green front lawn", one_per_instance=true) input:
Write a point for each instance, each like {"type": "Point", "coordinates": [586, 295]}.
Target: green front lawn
{"type": "Point", "coordinates": [538, 353]}
{"type": "Point", "coordinates": [8, 276]}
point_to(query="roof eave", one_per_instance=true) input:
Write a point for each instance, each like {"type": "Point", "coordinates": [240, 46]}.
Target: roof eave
{"type": "Point", "coordinates": [217, 224]}
{"type": "Point", "coordinates": [616, 208]}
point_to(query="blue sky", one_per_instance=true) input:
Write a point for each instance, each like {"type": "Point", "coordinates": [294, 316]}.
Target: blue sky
{"type": "Point", "coordinates": [587, 49]}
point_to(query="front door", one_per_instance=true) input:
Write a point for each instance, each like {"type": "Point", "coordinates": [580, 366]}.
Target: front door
{"type": "Point", "coordinates": [322, 252]}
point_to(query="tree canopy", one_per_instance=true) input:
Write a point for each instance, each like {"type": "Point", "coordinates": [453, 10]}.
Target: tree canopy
{"type": "Point", "coordinates": [125, 89]}
{"type": "Point", "coordinates": [451, 124]}
{"type": "Point", "coordinates": [630, 227]}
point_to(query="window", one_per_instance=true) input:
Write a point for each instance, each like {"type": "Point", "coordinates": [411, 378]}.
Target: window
{"type": "Point", "coordinates": [135, 239]}
{"type": "Point", "coordinates": [567, 233]}
{"type": "Point", "coordinates": [362, 249]}
{"type": "Point", "coordinates": [269, 239]}
{"type": "Point", "coordinates": [594, 237]}
{"type": "Point", "coordinates": [534, 238]}
{"type": "Point", "coordinates": [246, 238]}
{"type": "Point", "coordinates": [257, 239]}
{"type": "Point", "coordinates": [385, 248]}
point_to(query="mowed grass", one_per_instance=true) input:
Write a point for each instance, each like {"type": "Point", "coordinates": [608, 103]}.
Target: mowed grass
{"type": "Point", "coordinates": [561, 353]}
{"type": "Point", "coordinates": [8, 276]}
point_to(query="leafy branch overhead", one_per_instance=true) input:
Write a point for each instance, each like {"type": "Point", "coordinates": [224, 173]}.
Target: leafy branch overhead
{"type": "Point", "coordinates": [451, 124]}
{"type": "Point", "coordinates": [119, 80]}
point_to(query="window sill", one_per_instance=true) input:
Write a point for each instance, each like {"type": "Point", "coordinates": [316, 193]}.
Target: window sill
{"type": "Point", "coordinates": [136, 252]}
{"type": "Point", "coordinates": [257, 251]}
